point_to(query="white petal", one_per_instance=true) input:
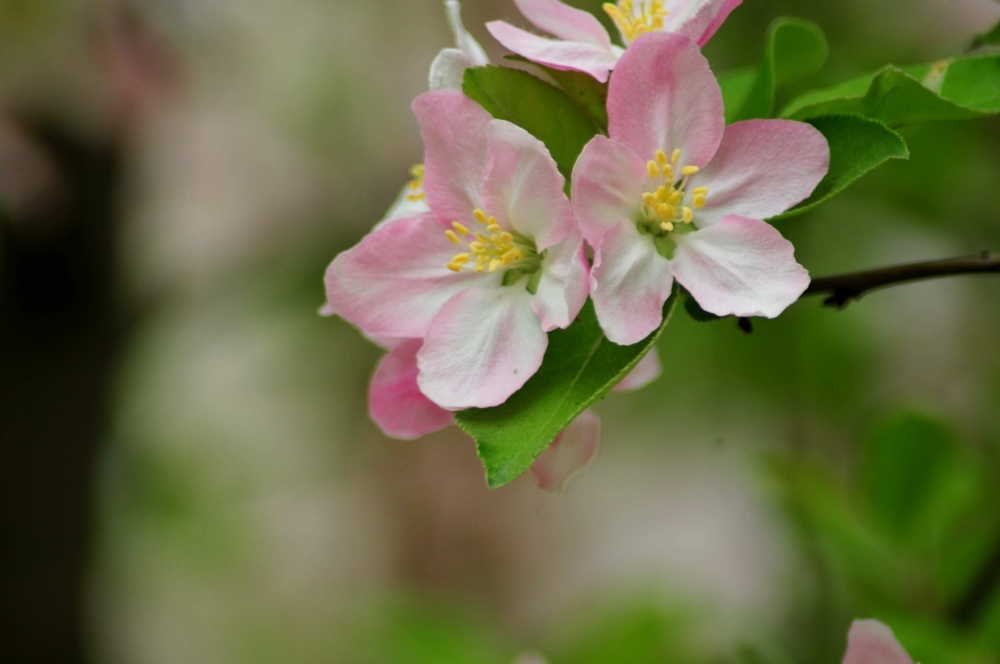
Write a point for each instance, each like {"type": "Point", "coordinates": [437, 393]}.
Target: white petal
{"type": "Point", "coordinates": [482, 347]}
{"type": "Point", "coordinates": [565, 284]}
{"type": "Point", "coordinates": [572, 452]}
{"type": "Point", "coordinates": [404, 207]}
{"type": "Point", "coordinates": [448, 70]}
{"type": "Point", "coordinates": [466, 43]}
{"type": "Point", "coordinates": [739, 267]}
{"type": "Point", "coordinates": [648, 370]}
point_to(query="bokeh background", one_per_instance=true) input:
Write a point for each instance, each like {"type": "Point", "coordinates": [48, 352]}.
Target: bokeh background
{"type": "Point", "coordinates": [187, 470]}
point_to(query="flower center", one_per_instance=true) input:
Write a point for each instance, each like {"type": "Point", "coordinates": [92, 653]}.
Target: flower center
{"type": "Point", "coordinates": [636, 21]}
{"type": "Point", "coordinates": [417, 184]}
{"type": "Point", "coordinates": [489, 253]}
{"type": "Point", "coordinates": [663, 205]}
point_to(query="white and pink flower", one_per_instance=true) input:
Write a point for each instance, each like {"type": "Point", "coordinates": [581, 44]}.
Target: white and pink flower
{"type": "Point", "coordinates": [495, 265]}
{"type": "Point", "coordinates": [584, 45]}
{"type": "Point", "coordinates": [673, 193]}
{"type": "Point", "coordinates": [871, 642]}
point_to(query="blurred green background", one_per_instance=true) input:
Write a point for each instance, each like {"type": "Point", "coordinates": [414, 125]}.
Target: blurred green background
{"type": "Point", "coordinates": [766, 491]}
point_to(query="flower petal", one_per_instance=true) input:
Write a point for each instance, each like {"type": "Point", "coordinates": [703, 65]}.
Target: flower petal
{"type": "Point", "coordinates": [739, 267]}
{"type": "Point", "coordinates": [565, 283]}
{"type": "Point", "coordinates": [664, 96]}
{"type": "Point", "coordinates": [607, 187]}
{"type": "Point", "coordinates": [762, 168]}
{"type": "Point", "coordinates": [465, 42]}
{"type": "Point", "coordinates": [404, 208]}
{"type": "Point", "coordinates": [523, 188]}
{"type": "Point", "coordinates": [482, 348]}
{"type": "Point", "coordinates": [596, 61]}
{"type": "Point", "coordinates": [395, 402]}
{"type": "Point", "coordinates": [871, 642]}
{"type": "Point", "coordinates": [448, 70]}
{"type": "Point", "coordinates": [395, 281]}
{"type": "Point", "coordinates": [565, 22]}
{"type": "Point", "coordinates": [698, 20]}
{"type": "Point", "coordinates": [571, 453]}
{"type": "Point", "coordinates": [454, 132]}
{"type": "Point", "coordinates": [648, 370]}
{"type": "Point", "coordinates": [630, 283]}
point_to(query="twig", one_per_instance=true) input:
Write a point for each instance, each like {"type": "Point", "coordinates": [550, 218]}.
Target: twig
{"type": "Point", "coordinates": [843, 289]}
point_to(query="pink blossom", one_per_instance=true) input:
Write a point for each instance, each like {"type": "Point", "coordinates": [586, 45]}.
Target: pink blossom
{"type": "Point", "coordinates": [584, 45]}
{"type": "Point", "coordinates": [495, 265]}
{"type": "Point", "coordinates": [673, 193]}
{"type": "Point", "coordinates": [395, 402]}
{"type": "Point", "coordinates": [871, 642]}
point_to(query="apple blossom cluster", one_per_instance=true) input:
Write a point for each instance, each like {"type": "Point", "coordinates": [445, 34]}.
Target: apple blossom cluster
{"type": "Point", "coordinates": [484, 253]}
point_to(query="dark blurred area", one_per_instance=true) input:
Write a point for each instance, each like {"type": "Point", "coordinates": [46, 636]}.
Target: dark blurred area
{"type": "Point", "coordinates": [187, 471]}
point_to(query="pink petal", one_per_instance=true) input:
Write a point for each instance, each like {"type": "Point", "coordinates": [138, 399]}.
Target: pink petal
{"type": "Point", "coordinates": [607, 187]}
{"type": "Point", "coordinates": [871, 642]}
{"type": "Point", "coordinates": [596, 61]}
{"type": "Point", "coordinates": [395, 281]}
{"type": "Point", "coordinates": [571, 453]}
{"type": "Point", "coordinates": [699, 20]}
{"type": "Point", "coordinates": [565, 22]}
{"type": "Point", "coordinates": [454, 132]}
{"type": "Point", "coordinates": [648, 370]}
{"type": "Point", "coordinates": [404, 208]}
{"type": "Point", "coordinates": [396, 403]}
{"type": "Point", "coordinates": [482, 348]}
{"type": "Point", "coordinates": [739, 267]}
{"type": "Point", "coordinates": [630, 283]}
{"type": "Point", "coordinates": [762, 168]}
{"type": "Point", "coordinates": [523, 188]}
{"type": "Point", "coordinates": [565, 284]}
{"type": "Point", "coordinates": [664, 96]}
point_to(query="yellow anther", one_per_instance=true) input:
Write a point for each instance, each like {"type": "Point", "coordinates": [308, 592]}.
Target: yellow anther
{"type": "Point", "coordinates": [699, 201]}
{"type": "Point", "coordinates": [649, 199]}
{"type": "Point", "coordinates": [700, 191]}
{"type": "Point", "coordinates": [612, 11]}
{"type": "Point", "coordinates": [481, 216]}
{"type": "Point", "coordinates": [477, 247]}
{"type": "Point", "coordinates": [493, 228]}
{"type": "Point", "coordinates": [661, 158]}
{"type": "Point", "coordinates": [688, 215]}
{"type": "Point", "coordinates": [667, 226]}
{"type": "Point", "coordinates": [676, 197]}
{"type": "Point", "coordinates": [664, 211]}
{"type": "Point", "coordinates": [495, 264]}
{"type": "Point", "coordinates": [454, 267]}
{"type": "Point", "coordinates": [482, 238]}
{"type": "Point", "coordinates": [676, 156]}
{"type": "Point", "coordinates": [460, 228]}
{"type": "Point", "coordinates": [633, 24]}
{"type": "Point", "coordinates": [690, 170]}
{"type": "Point", "coordinates": [510, 257]}
{"type": "Point", "coordinates": [506, 239]}
{"type": "Point", "coordinates": [653, 170]}
{"type": "Point", "coordinates": [461, 259]}
{"type": "Point", "coordinates": [453, 237]}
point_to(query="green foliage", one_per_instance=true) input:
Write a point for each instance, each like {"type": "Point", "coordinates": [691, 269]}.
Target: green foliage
{"type": "Point", "coordinates": [581, 366]}
{"type": "Point", "coordinates": [586, 91]}
{"type": "Point", "coordinates": [960, 89]}
{"type": "Point", "coordinates": [905, 461]}
{"type": "Point", "coordinates": [991, 38]}
{"type": "Point", "coordinates": [794, 49]}
{"type": "Point", "coordinates": [857, 146]}
{"type": "Point", "coordinates": [641, 634]}
{"type": "Point", "coordinates": [546, 112]}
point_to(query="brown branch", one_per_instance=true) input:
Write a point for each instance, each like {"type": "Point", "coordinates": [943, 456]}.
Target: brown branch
{"type": "Point", "coordinates": [843, 289]}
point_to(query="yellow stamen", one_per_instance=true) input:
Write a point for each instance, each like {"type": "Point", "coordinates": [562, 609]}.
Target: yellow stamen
{"type": "Point", "coordinates": [460, 228]}
{"type": "Point", "coordinates": [480, 216]}
{"type": "Point", "coordinates": [506, 238]}
{"type": "Point", "coordinates": [454, 238]}
{"type": "Point", "coordinates": [653, 170]}
{"type": "Point", "coordinates": [417, 185]}
{"type": "Point", "coordinates": [667, 226]}
{"type": "Point", "coordinates": [650, 199]}
{"type": "Point", "coordinates": [461, 259]}
{"type": "Point", "coordinates": [700, 191]}
{"type": "Point", "coordinates": [493, 228]}
{"type": "Point", "coordinates": [688, 215]}
{"type": "Point", "coordinates": [675, 157]}
{"type": "Point", "coordinates": [661, 158]}
{"type": "Point", "coordinates": [633, 24]}
{"type": "Point", "coordinates": [690, 170]}
{"type": "Point", "coordinates": [699, 201]}
{"type": "Point", "coordinates": [495, 264]}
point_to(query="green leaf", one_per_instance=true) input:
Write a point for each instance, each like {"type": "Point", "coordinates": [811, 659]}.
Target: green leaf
{"type": "Point", "coordinates": [857, 146]}
{"type": "Point", "coordinates": [904, 462]}
{"type": "Point", "coordinates": [736, 86]}
{"type": "Point", "coordinates": [589, 94]}
{"type": "Point", "coordinates": [795, 49]}
{"type": "Point", "coordinates": [695, 311]}
{"type": "Point", "coordinates": [961, 89]}
{"type": "Point", "coordinates": [544, 111]}
{"type": "Point", "coordinates": [581, 366]}
{"type": "Point", "coordinates": [991, 38]}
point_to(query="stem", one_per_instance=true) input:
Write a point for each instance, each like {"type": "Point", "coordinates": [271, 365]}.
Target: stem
{"type": "Point", "coordinates": [843, 289]}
